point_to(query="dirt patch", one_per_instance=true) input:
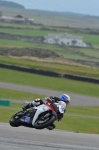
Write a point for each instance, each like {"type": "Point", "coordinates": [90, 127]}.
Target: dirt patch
{"type": "Point", "coordinates": [50, 59]}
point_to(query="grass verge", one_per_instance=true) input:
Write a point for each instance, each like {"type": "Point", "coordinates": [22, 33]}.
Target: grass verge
{"type": "Point", "coordinates": [18, 95]}
{"type": "Point", "coordinates": [53, 83]}
{"type": "Point", "coordinates": [79, 124]}
{"type": "Point", "coordinates": [53, 66]}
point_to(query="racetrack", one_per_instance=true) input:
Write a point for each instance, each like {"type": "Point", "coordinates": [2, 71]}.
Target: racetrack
{"type": "Point", "coordinates": [23, 138]}
{"type": "Point", "coordinates": [76, 100]}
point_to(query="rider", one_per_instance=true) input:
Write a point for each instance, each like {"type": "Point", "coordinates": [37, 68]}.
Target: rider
{"type": "Point", "coordinates": [59, 104]}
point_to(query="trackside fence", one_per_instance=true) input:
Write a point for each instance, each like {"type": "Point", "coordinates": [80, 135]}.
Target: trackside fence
{"type": "Point", "coordinates": [50, 73]}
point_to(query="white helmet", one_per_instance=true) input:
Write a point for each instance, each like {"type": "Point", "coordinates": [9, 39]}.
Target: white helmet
{"type": "Point", "coordinates": [65, 98]}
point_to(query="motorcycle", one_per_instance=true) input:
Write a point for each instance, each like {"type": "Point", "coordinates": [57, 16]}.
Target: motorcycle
{"type": "Point", "coordinates": [39, 117]}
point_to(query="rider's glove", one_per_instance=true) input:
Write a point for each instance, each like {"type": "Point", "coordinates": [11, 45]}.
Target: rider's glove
{"type": "Point", "coordinates": [23, 108]}
{"type": "Point", "coordinates": [49, 100]}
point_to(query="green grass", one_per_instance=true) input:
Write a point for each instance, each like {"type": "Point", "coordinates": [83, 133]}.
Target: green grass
{"type": "Point", "coordinates": [15, 43]}
{"type": "Point", "coordinates": [89, 52]}
{"type": "Point", "coordinates": [25, 32]}
{"type": "Point", "coordinates": [57, 67]}
{"type": "Point", "coordinates": [86, 111]}
{"type": "Point", "coordinates": [85, 54]}
{"type": "Point", "coordinates": [80, 57]}
{"type": "Point", "coordinates": [6, 113]}
{"type": "Point", "coordinates": [18, 95]}
{"type": "Point", "coordinates": [60, 84]}
{"type": "Point", "coordinates": [22, 44]}
{"type": "Point", "coordinates": [75, 54]}
{"type": "Point", "coordinates": [21, 26]}
{"type": "Point", "coordinates": [70, 123]}
{"type": "Point", "coordinates": [79, 124]}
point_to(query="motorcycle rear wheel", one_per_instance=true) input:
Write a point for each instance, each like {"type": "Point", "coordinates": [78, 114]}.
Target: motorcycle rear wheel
{"type": "Point", "coordinates": [15, 120]}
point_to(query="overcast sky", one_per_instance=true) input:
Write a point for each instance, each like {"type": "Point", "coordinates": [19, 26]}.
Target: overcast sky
{"type": "Point", "coordinates": [90, 7]}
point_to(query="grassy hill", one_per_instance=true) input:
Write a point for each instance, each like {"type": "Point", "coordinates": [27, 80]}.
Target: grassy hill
{"type": "Point", "coordinates": [13, 35]}
{"type": "Point", "coordinates": [19, 37]}
{"type": "Point", "coordinates": [55, 18]}
{"type": "Point", "coordinates": [10, 4]}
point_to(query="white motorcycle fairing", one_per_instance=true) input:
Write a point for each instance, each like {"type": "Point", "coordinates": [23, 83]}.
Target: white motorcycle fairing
{"type": "Point", "coordinates": [40, 109]}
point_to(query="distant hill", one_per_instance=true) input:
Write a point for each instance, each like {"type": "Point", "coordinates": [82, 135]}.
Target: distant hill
{"type": "Point", "coordinates": [10, 4]}
{"type": "Point", "coordinates": [50, 18]}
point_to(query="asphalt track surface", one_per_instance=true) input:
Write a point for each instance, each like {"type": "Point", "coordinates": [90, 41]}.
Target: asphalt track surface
{"type": "Point", "coordinates": [76, 100]}
{"type": "Point", "coordinates": [23, 138]}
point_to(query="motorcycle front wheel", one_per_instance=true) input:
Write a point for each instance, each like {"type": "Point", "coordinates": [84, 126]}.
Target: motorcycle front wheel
{"type": "Point", "coordinates": [42, 123]}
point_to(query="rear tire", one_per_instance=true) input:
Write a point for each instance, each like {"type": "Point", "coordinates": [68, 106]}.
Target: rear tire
{"type": "Point", "coordinates": [15, 120]}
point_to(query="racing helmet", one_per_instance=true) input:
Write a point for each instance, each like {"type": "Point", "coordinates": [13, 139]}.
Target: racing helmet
{"type": "Point", "coordinates": [65, 98]}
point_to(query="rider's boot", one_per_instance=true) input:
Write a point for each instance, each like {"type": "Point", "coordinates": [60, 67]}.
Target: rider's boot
{"type": "Point", "coordinates": [51, 127]}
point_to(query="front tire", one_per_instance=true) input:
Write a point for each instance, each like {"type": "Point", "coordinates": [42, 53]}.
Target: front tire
{"type": "Point", "coordinates": [50, 121]}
